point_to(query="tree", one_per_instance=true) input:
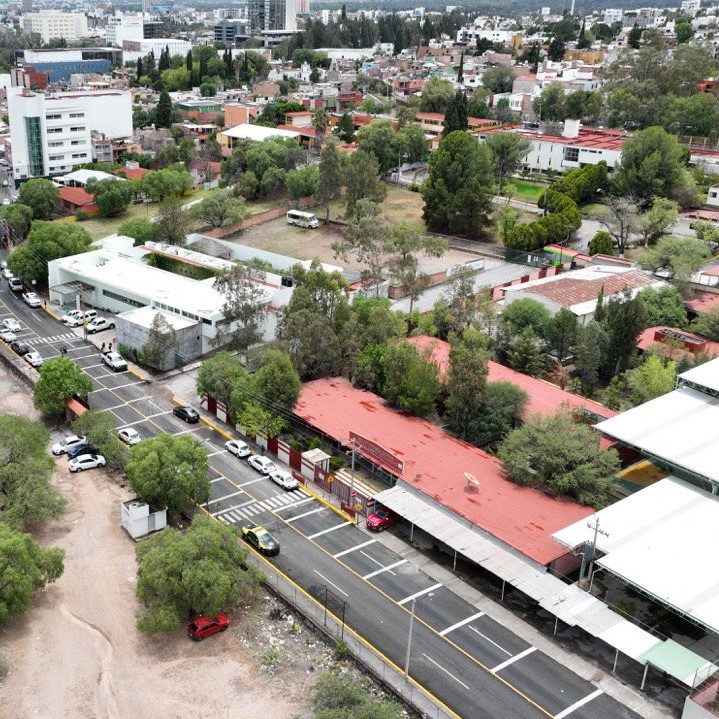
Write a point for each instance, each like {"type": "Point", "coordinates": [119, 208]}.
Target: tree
{"type": "Point", "coordinates": [335, 696]}
{"type": "Point", "coordinates": [329, 180]}
{"type": "Point", "coordinates": [112, 196]}
{"type": "Point", "coordinates": [345, 129]}
{"type": "Point", "coordinates": [302, 182]}
{"type": "Point", "coordinates": [139, 69]}
{"type": "Point", "coordinates": [457, 192]}
{"type": "Point", "coordinates": [707, 324]}
{"type": "Point", "coordinates": [556, 50]}
{"type": "Point", "coordinates": [220, 208]}
{"type": "Point", "coordinates": [258, 421]}
{"type": "Point", "coordinates": [377, 139]}
{"type": "Point", "coordinates": [312, 344]}
{"type": "Point", "coordinates": [652, 379]}
{"type": "Point", "coordinates": [25, 472]}
{"type": "Point", "coordinates": [499, 80]}
{"type": "Point", "coordinates": [625, 318]}
{"type": "Point", "coordinates": [551, 103]}
{"type": "Point", "coordinates": [200, 571]}
{"type": "Point", "coordinates": [664, 306]}
{"type": "Point", "coordinates": [244, 309]}
{"type": "Point", "coordinates": [361, 181]}
{"type": "Point", "coordinates": [684, 32]}
{"type": "Point", "coordinates": [620, 216]}
{"type": "Point", "coordinates": [208, 89]}
{"type": "Point", "coordinates": [601, 244]}
{"type": "Point", "coordinates": [60, 380]}
{"type": "Point", "coordinates": [506, 150]}
{"type": "Point", "coordinates": [503, 404]}
{"type": "Point", "coordinates": [169, 471]}
{"type": "Point", "coordinates": [661, 217]}
{"type": "Point", "coordinates": [524, 353]}
{"type": "Point", "coordinates": [589, 351]}
{"type": "Point", "coordinates": [507, 218]}
{"type": "Point", "coordinates": [219, 375]}
{"type": "Point", "coordinates": [634, 38]}
{"type": "Point", "coordinates": [140, 229]}
{"type": "Point", "coordinates": [680, 257]}
{"type": "Point", "coordinates": [411, 379]}
{"type": "Point", "coordinates": [277, 381]}
{"type": "Point", "coordinates": [163, 111]}
{"type": "Point", "coordinates": [436, 95]}
{"type": "Point", "coordinates": [99, 428]}
{"type": "Point", "coordinates": [18, 218]}
{"type": "Point", "coordinates": [41, 196]}
{"type": "Point", "coordinates": [560, 456]}
{"type": "Point", "coordinates": [525, 312]}
{"type": "Point", "coordinates": [456, 115]}
{"type": "Point", "coordinates": [172, 222]}
{"type": "Point", "coordinates": [410, 144]}
{"type": "Point", "coordinates": [561, 332]}
{"type": "Point", "coordinates": [466, 380]}
{"type": "Point", "coordinates": [172, 181]}
{"type": "Point", "coordinates": [161, 345]}
{"type": "Point", "coordinates": [24, 567]}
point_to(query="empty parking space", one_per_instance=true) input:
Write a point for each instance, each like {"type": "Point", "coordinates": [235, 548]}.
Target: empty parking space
{"type": "Point", "coordinates": [404, 583]}
{"type": "Point", "coordinates": [487, 639]}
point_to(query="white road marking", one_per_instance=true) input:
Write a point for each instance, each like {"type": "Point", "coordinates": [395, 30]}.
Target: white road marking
{"type": "Point", "coordinates": [252, 481]}
{"type": "Point", "coordinates": [416, 595]}
{"type": "Point", "coordinates": [139, 421]}
{"type": "Point", "coordinates": [295, 504]}
{"type": "Point", "coordinates": [304, 514]}
{"type": "Point", "coordinates": [446, 631]}
{"type": "Point", "coordinates": [227, 496]}
{"type": "Point", "coordinates": [353, 549]}
{"type": "Point", "coordinates": [566, 712]}
{"type": "Point", "coordinates": [513, 659]}
{"type": "Point", "coordinates": [322, 576]}
{"type": "Point", "coordinates": [384, 569]}
{"type": "Point", "coordinates": [446, 671]}
{"type": "Point", "coordinates": [112, 389]}
{"type": "Point", "coordinates": [130, 401]}
{"type": "Point", "coordinates": [216, 479]}
{"type": "Point", "coordinates": [491, 641]}
{"type": "Point", "coordinates": [327, 531]}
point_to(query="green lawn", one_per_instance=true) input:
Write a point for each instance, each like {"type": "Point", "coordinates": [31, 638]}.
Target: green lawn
{"type": "Point", "coordinates": [528, 191]}
{"type": "Point", "coordinates": [592, 207]}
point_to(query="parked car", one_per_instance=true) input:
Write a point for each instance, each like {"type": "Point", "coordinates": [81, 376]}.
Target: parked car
{"type": "Point", "coordinates": [20, 347]}
{"type": "Point", "coordinates": [7, 273]}
{"type": "Point", "coordinates": [186, 414]}
{"type": "Point", "coordinates": [207, 626]}
{"type": "Point", "coordinates": [262, 464]}
{"type": "Point", "coordinates": [7, 336]}
{"type": "Point", "coordinates": [382, 518]}
{"type": "Point", "coordinates": [76, 318]}
{"type": "Point", "coordinates": [86, 461]}
{"type": "Point", "coordinates": [31, 299]}
{"type": "Point", "coordinates": [79, 449]}
{"type": "Point", "coordinates": [259, 538]}
{"type": "Point", "coordinates": [238, 448]}
{"type": "Point", "coordinates": [129, 436]}
{"type": "Point", "coordinates": [34, 359]}
{"type": "Point", "coordinates": [284, 479]}
{"type": "Point", "coordinates": [10, 323]}
{"type": "Point", "coordinates": [115, 361]}
{"type": "Point", "coordinates": [100, 324]}
{"type": "Point", "coordinates": [15, 284]}
{"type": "Point", "coordinates": [63, 445]}
{"type": "Point", "coordinates": [71, 315]}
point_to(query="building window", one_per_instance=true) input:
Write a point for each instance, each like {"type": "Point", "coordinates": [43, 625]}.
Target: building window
{"type": "Point", "coordinates": [34, 145]}
{"type": "Point", "coordinates": [53, 130]}
{"type": "Point", "coordinates": [120, 298]}
{"type": "Point", "coordinates": [571, 154]}
{"type": "Point", "coordinates": [78, 155]}
{"type": "Point", "coordinates": [77, 114]}
{"type": "Point", "coordinates": [78, 142]}
{"type": "Point", "coordinates": [55, 144]}
{"type": "Point", "coordinates": [77, 129]}
{"type": "Point", "coordinates": [53, 117]}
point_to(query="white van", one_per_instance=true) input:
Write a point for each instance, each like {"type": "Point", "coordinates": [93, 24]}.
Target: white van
{"type": "Point", "coordinates": [302, 219]}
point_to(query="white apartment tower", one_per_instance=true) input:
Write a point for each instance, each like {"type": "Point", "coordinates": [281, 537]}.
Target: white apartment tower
{"type": "Point", "coordinates": [51, 24]}
{"type": "Point", "coordinates": [268, 15]}
{"type": "Point", "coordinates": [50, 134]}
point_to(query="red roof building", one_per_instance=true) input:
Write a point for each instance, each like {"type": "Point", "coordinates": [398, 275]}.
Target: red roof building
{"type": "Point", "coordinates": [676, 343]}
{"type": "Point", "coordinates": [76, 198]}
{"type": "Point", "coordinates": [438, 465]}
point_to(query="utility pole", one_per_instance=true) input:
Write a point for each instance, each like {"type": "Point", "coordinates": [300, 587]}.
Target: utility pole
{"type": "Point", "coordinates": [593, 548]}
{"type": "Point", "coordinates": [352, 478]}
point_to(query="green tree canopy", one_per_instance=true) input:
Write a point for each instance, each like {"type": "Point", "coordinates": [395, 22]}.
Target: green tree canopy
{"type": "Point", "coordinates": [522, 313]}
{"type": "Point", "coordinates": [329, 180]}
{"type": "Point", "coordinates": [18, 218]}
{"type": "Point", "coordinates": [277, 381]}
{"type": "Point", "coordinates": [60, 380]}
{"type": "Point", "coordinates": [653, 378]}
{"type": "Point", "coordinates": [707, 324]}
{"type": "Point", "coordinates": [503, 404]}
{"type": "Point", "coordinates": [601, 244]}
{"type": "Point", "coordinates": [664, 306]}
{"type": "Point", "coordinates": [302, 182]}
{"type": "Point", "coordinates": [219, 375]}
{"type": "Point", "coordinates": [112, 196]}
{"type": "Point", "coordinates": [499, 79]}
{"type": "Point", "coordinates": [161, 345]}
{"type": "Point", "coordinates": [377, 139]}
{"type": "Point", "coordinates": [506, 150]}
{"type": "Point", "coordinates": [436, 95]}
{"type": "Point", "coordinates": [680, 257]}
{"type": "Point", "coordinates": [41, 196]}
{"type": "Point", "coordinates": [411, 379]}
{"type": "Point", "coordinates": [140, 229]}
{"type": "Point", "coordinates": [99, 428]}
{"type": "Point", "coordinates": [361, 179]}
{"type": "Point", "coordinates": [220, 208]}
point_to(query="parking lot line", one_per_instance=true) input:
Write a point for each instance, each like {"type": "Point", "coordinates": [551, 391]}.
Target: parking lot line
{"type": "Point", "coordinates": [566, 712]}
{"type": "Point", "coordinates": [491, 641]}
{"type": "Point", "coordinates": [322, 576]}
{"type": "Point", "coordinates": [384, 569]}
{"type": "Point", "coordinates": [353, 549]}
{"type": "Point", "coordinates": [306, 514]}
{"type": "Point", "coordinates": [227, 496]}
{"type": "Point", "coordinates": [112, 389]}
{"type": "Point", "coordinates": [446, 671]}
{"type": "Point", "coordinates": [252, 481]}
{"type": "Point", "coordinates": [513, 659]}
{"type": "Point", "coordinates": [421, 593]}
{"type": "Point", "coordinates": [327, 531]}
{"type": "Point", "coordinates": [295, 504]}
{"type": "Point", "coordinates": [461, 624]}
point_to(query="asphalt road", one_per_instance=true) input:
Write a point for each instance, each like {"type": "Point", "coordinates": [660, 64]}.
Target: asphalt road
{"type": "Point", "coordinates": [472, 663]}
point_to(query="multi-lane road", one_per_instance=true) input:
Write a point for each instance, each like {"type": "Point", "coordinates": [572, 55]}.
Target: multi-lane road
{"type": "Point", "coordinates": [472, 663]}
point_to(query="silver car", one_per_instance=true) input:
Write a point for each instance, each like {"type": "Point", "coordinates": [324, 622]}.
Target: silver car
{"type": "Point", "coordinates": [238, 448]}
{"type": "Point", "coordinates": [129, 436]}
{"type": "Point", "coordinates": [86, 461]}
{"type": "Point", "coordinates": [9, 323]}
{"type": "Point", "coordinates": [64, 445]}
{"type": "Point", "coordinates": [262, 464]}
{"type": "Point", "coordinates": [284, 479]}
{"type": "Point", "coordinates": [31, 299]}
{"type": "Point", "coordinates": [34, 359]}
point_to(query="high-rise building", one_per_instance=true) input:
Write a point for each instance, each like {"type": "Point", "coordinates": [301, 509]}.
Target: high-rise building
{"type": "Point", "coordinates": [124, 26]}
{"type": "Point", "coordinates": [268, 15]}
{"type": "Point", "coordinates": [27, 6]}
{"type": "Point", "coordinates": [52, 133]}
{"type": "Point", "coordinates": [229, 29]}
{"type": "Point", "coordinates": [302, 7]}
{"type": "Point", "coordinates": [50, 24]}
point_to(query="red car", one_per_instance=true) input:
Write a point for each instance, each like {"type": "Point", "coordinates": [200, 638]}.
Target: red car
{"type": "Point", "coordinates": [381, 519]}
{"type": "Point", "coordinates": [206, 627]}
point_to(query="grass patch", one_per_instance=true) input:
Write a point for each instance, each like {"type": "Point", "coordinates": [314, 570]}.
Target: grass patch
{"type": "Point", "coordinates": [590, 208]}
{"type": "Point", "coordinates": [528, 191]}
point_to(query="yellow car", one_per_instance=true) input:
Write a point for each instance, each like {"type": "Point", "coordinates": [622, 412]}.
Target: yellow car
{"type": "Point", "coordinates": [259, 538]}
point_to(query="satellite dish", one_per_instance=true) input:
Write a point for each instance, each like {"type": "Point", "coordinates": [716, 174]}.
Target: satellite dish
{"type": "Point", "coordinates": [471, 479]}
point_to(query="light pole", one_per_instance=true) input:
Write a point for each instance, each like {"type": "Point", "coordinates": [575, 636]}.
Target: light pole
{"type": "Point", "coordinates": [409, 639]}
{"type": "Point", "coordinates": [352, 479]}
{"type": "Point", "coordinates": [399, 166]}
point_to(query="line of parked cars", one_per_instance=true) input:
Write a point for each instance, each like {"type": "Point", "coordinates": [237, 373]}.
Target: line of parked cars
{"type": "Point", "coordinates": [81, 454]}
{"type": "Point", "coordinates": [264, 465]}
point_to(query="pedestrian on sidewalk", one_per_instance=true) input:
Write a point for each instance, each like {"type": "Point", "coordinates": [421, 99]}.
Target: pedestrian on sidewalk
{"type": "Point", "coordinates": [63, 350]}
{"type": "Point", "coordinates": [102, 349]}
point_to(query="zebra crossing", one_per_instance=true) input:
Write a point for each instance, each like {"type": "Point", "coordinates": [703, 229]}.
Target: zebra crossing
{"type": "Point", "coordinates": [66, 337]}
{"type": "Point", "coordinates": [247, 510]}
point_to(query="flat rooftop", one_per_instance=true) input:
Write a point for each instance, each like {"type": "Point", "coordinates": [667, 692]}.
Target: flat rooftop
{"type": "Point", "coordinates": [435, 464]}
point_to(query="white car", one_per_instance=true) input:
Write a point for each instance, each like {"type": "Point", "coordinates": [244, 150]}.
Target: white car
{"type": "Point", "coordinates": [7, 273]}
{"type": "Point", "coordinates": [86, 461]}
{"type": "Point", "coordinates": [284, 479]}
{"type": "Point", "coordinates": [115, 361]}
{"type": "Point", "coordinates": [9, 323]}
{"type": "Point", "coordinates": [98, 324]}
{"type": "Point", "coordinates": [7, 336]}
{"type": "Point", "coordinates": [68, 443]}
{"type": "Point", "coordinates": [31, 299]}
{"type": "Point", "coordinates": [34, 359]}
{"type": "Point", "coordinates": [75, 318]}
{"type": "Point", "coordinates": [129, 436]}
{"type": "Point", "coordinates": [261, 464]}
{"type": "Point", "coordinates": [238, 448]}
{"type": "Point", "coordinates": [71, 315]}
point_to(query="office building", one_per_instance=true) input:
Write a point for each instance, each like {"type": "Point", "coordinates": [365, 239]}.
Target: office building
{"type": "Point", "coordinates": [59, 64]}
{"type": "Point", "coordinates": [50, 24]}
{"type": "Point", "coordinates": [124, 26]}
{"type": "Point", "coordinates": [134, 49]}
{"type": "Point", "coordinates": [229, 29]}
{"type": "Point", "coordinates": [269, 15]}
{"type": "Point", "coordinates": [50, 134]}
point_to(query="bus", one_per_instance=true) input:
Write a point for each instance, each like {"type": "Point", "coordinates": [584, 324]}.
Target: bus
{"type": "Point", "coordinates": [302, 219]}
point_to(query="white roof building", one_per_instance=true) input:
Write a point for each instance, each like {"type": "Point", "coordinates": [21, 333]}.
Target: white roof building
{"type": "Point", "coordinates": [258, 133]}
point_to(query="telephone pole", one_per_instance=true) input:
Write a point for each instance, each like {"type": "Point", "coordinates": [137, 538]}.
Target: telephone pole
{"type": "Point", "coordinates": [591, 553]}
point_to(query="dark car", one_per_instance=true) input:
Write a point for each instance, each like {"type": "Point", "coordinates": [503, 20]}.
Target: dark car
{"type": "Point", "coordinates": [187, 414]}
{"type": "Point", "coordinates": [20, 347]}
{"type": "Point", "coordinates": [79, 449]}
{"type": "Point", "coordinates": [382, 518]}
{"type": "Point", "coordinates": [15, 284]}
{"type": "Point", "coordinates": [207, 626]}
{"type": "Point", "coordinates": [261, 540]}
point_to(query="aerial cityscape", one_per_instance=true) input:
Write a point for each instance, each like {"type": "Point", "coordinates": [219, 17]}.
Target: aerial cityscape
{"type": "Point", "coordinates": [359, 361]}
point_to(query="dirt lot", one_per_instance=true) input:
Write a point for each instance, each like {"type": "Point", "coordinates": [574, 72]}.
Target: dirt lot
{"type": "Point", "coordinates": [76, 652]}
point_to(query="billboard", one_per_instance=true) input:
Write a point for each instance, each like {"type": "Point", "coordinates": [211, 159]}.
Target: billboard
{"type": "Point", "coordinates": [379, 455]}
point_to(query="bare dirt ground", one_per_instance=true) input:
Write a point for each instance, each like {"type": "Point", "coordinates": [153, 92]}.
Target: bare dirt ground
{"type": "Point", "coordinates": [76, 652]}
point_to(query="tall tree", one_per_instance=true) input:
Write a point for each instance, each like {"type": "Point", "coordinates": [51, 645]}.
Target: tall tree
{"type": "Point", "coordinates": [524, 354]}
{"type": "Point", "coordinates": [220, 208]}
{"type": "Point", "coordinates": [562, 332]}
{"type": "Point", "coordinates": [361, 179]}
{"type": "Point", "coordinates": [460, 69]}
{"type": "Point", "coordinates": [188, 60]}
{"type": "Point", "coordinates": [456, 115]}
{"type": "Point", "coordinates": [172, 224]}
{"type": "Point", "coordinates": [503, 404]}
{"type": "Point", "coordinates": [589, 350]}
{"type": "Point", "coordinates": [60, 380]}
{"type": "Point", "coordinates": [277, 381]}
{"type": "Point", "coordinates": [219, 375]}
{"type": "Point", "coordinates": [163, 111]}
{"type": "Point", "coordinates": [161, 346]}
{"type": "Point", "coordinates": [139, 68]}
{"type": "Point", "coordinates": [652, 379]}
{"type": "Point", "coordinates": [680, 257]}
{"type": "Point", "coordinates": [621, 218]}
{"type": "Point", "coordinates": [411, 379]}
{"type": "Point", "coordinates": [41, 196]}
{"type": "Point", "coordinates": [506, 150]}
{"type": "Point", "coordinates": [329, 182]}
{"type": "Point", "coordinates": [345, 129]}
{"type": "Point", "coordinates": [625, 318]}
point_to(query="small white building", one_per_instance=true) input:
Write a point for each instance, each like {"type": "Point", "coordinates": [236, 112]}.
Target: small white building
{"type": "Point", "coordinates": [132, 50]}
{"type": "Point", "coordinates": [138, 519]}
{"type": "Point", "coordinates": [713, 196]}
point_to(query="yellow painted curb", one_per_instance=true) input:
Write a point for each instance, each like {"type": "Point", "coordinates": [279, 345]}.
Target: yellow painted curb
{"type": "Point", "coordinates": [327, 504]}
{"type": "Point", "coordinates": [213, 426]}
{"type": "Point", "coordinates": [51, 313]}
{"type": "Point", "coordinates": [137, 374]}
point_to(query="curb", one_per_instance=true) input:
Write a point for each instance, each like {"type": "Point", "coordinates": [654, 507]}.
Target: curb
{"type": "Point", "coordinates": [214, 427]}
{"type": "Point", "coordinates": [51, 313]}
{"type": "Point", "coordinates": [137, 374]}
{"type": "Point", "coordinates": [327, 504]}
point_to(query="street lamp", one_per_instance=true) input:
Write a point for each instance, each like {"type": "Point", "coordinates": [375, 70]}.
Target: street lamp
{"type": "Point", "coordinates": [409, 639]}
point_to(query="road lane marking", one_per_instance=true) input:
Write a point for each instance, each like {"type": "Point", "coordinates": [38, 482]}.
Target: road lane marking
{"type": "Point", "coordinates": [513, 659]}
{"type": "Point", "coordinates": [252, 481]}
{"type": "Point", "coordinates": [227, 496]}
{"type": "Point", "coordinates": [491, 641]}
{"type": "Point", "coordinates": [331, 529]}
{"type": "Point", "coordinates": [384, 569]}
{"type": "Point", "coordinates": [416, 595]}
{"type": "Point", "coordinates": [446, 671]}
{"type": "Point", "coordinates": [112, 389]}
{"type": "Point", "coordinates": [322, 576]}
{"type": "Point", "coordinates": [305, 514]}
{"type": "Point", "coordinates": [566, 712]}
{"type": "Point", "coordinates": [461, 624]}
{"type": "Point", "coordinates": [353, 549]}
{"type": "Point", "coordinates": [295, 504]}
{"type": "Point", "coordinates": [139, 421]}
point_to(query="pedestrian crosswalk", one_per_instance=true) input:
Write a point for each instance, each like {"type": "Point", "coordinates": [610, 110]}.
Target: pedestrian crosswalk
{"type": "Point", "coordinates": [54, 338]}
{"type": "Point", "coordinates": [237, 513]}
